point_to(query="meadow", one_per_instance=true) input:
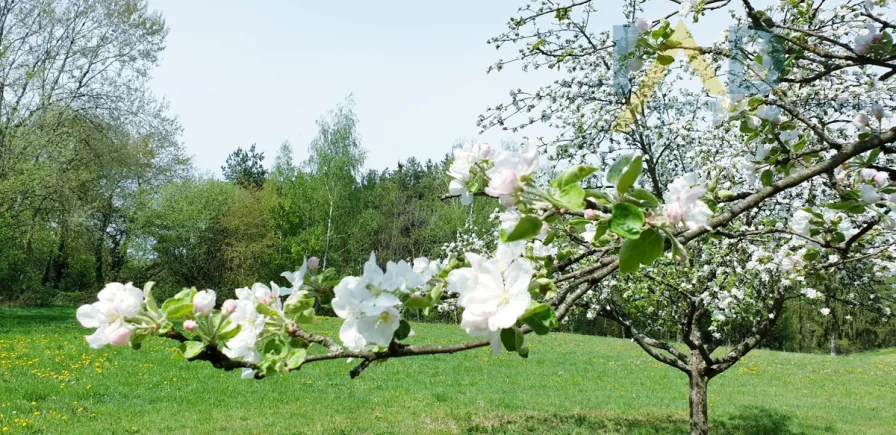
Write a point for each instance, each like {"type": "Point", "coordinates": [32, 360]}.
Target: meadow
{"type": "Point", "coordinates": [52, 382]}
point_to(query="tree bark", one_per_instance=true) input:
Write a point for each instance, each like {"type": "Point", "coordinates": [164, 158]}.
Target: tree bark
{"type": "Point", "coordinates": [699, 411]}
{"type": "Point", "coordinates": [833, 342]}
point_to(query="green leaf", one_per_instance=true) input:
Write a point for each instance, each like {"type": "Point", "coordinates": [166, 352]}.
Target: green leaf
{"type": "Point", "coordinates": [678, 252]}
{"type": "Point", "coordinates": [843, 205]}
{"type": "Point", "coordinates": [541, 318]}
{"type": "Point", "coordinates": [665, 59]}
{"type": "Point", "coordinates": [579, 222]}
{"type": "Point", "coordinates": [626, 220]}
{"type": "Point", "coordinates": [227, 334]}
{"type": "Point", "coordinates": [418, 302]}
{"type": "Point", "coordinates": [296, 358]}
{"type": "Point", "coordinates": [305, 317]}
{"type": "Point", "coordinates": [186, 293]}
{"type": "Point", "coordinates": [599, 196]}
{"type": "Point", "coordinates": [872, 156]}
{"type": "Point", "coordinates": [572, 175]}
{"type": "Point", "coordinates": [562, 14]}
{"type": "Point", "coordinates": [265, 310]}
{"type": "Point", "coordinates": [538, 287]}
{"type": "Point", "coordinates": [190, 349]}
{"type": "Point", "coordinates": [572, 198]}
{"type": "Point", "coordinates": [435, 295]}
{"type": "Point", "coordinates": [175, 309]}
{"type": "Point", "coordinates": [274, 346]}
{"type": "Point", "coordinates": [508, 339]}
{"type": "Point", "coordinates": [767, 178]}
{"type": "Point", "coordinates": [150, 300]}
{"type": "Point", "coordinates": [628, 178]}
{"type": "Point", "coordinates": [617, 167]}
{"type": "Point", "coordinates": [811, 255]}
{"type": "Point", "coordinates": [643, 250]}
{"type": "Point", "coordinates": [528, 227]}
{"type": "Point", "coordinates": [297, 307]}
{"type": "Point", "coordinates": [646, 197]}
{"type": "Point", "coordinates": [404, 329]}
{"type": "Point", "coordinates": [602, 228]}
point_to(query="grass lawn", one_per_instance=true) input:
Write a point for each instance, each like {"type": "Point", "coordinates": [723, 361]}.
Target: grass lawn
{"type": "Point", "coordinates": [52, 382]}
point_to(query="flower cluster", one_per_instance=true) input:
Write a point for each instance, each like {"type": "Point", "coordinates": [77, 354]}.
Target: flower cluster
{"type": "Point", "coordinates": [493, 292]}
{"type": "Point", "coordinates": [370, 303]}
{"type": "Point", "coordinates": [503, 174]}
{"type": "Point", "coordinates": [116, 304]}
{"type": "Point", "coordinates": [683, 206]}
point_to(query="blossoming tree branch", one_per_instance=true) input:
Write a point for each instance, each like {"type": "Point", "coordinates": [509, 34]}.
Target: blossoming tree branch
{"type": "Point", "coordinates": [717, 219]}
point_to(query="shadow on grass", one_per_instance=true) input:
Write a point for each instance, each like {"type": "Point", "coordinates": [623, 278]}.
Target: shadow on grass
{"type": "Point", "coordinates": [752, 421]}
{"type": "Point", "coordinates": [18, 319]}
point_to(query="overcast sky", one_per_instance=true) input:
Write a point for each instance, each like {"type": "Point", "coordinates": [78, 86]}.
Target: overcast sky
{"type": "Point", "coordinates": [238, 72]}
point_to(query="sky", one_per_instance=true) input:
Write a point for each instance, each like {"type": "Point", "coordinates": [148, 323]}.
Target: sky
{"type": "Point", "coordinates": [237, 73]}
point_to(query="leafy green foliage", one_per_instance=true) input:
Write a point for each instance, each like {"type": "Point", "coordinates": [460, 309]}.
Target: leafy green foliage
{"type": "Point", "coordinates": [527, 228]}
{"type": "Point", "coordinates": [540, 317]}
{"type": "Point", "coordinates": [628, 178]}
{"type": "Point", "coordinates": [615, 171]}
{"type": "Point", "coordinates": [573, 175]}
{"type": "Point", "coordinates": [643, 250]}
{"type": "Point", "coordinates": [626, 220]}
{"type": "Point", "coordinates": [244, 167]}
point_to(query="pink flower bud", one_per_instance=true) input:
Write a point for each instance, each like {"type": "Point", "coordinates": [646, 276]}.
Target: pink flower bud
{"type": "Point", "coordinates": [862, 49]}
{"type": "Point", "coordinates": [190, 325]}
{"type": "Point", "coordinates": [120, 336]}
{"type": "Point", "coordinates": [674, 213]}
{"type": "Point", "coordinates": [877, 111]}
{"type": "Point", "coordinates": [590, 213]}
{"type": "Point", "coordinates": [229, 306]}
{"type": "Point", "coordinates": [881, 178]}
{"type": "Point", "coordinates": [861, 120]}
{"type": "Point", "coordinates": [313, 263]}
{"type": "Point", "coordinates": [876, 37]}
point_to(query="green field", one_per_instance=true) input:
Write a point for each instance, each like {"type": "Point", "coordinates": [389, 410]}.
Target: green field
{"type": "Point", "coordinates": [51, 382]}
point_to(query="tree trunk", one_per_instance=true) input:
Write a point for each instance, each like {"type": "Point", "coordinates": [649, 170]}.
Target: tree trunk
{"type": "Point", "coordinates": [329, 226]}
{"type": "Point", "coordinates": [699, 414]}
{"type": "Point", "coordinates": [835, 332]}
{"type": "Point", "coordinates": [833, 342]}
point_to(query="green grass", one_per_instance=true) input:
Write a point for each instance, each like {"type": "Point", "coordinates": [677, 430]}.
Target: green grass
{"type": "Point", "coordinates": [569, 384]}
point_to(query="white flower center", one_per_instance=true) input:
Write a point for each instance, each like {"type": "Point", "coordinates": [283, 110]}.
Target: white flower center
{"type": "Point", "coordinates": [384, 317]}
{"type": "Point", "coordinates": [504, 297]}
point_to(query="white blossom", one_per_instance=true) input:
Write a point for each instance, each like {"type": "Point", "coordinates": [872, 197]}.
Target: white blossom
{"type": "Point", "coordinates": [683, 205]}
